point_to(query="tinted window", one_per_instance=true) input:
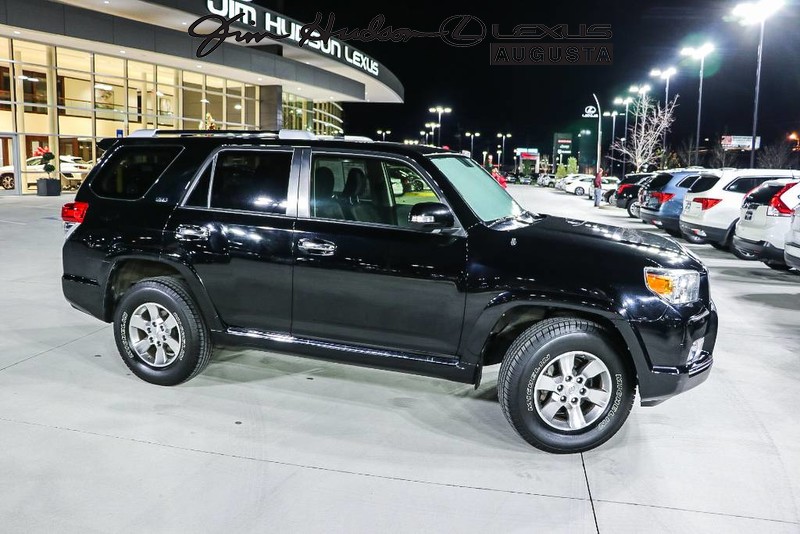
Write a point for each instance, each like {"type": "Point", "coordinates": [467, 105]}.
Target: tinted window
{"type": "Point", "coordinates": [251, 180]}
{"type": "Point", "coordinates": [659, 181]}
{"type": "Point", "coordinates": [704, 183]}
{"type": "Point", "coordinates": [687, 182]}
{"type": "Point", "coordinates": [743, 185]}
{"type": "Point", "coordinates": [763, 194]}
{"type": "Point", "coordinates": [132, 170]}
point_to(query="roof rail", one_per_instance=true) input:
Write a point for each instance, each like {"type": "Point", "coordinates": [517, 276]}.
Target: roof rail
{"type": "Point", "coordinates": [284, 133]}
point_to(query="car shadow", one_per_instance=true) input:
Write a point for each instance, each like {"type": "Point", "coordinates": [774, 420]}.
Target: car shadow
{"type": "Point", "coordinates": [783, 301]}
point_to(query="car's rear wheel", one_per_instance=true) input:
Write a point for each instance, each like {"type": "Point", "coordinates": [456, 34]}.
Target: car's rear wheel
{"type": "Point", "coordinates": [632, 208]}
{"type": "Point", "coordinates": [564, 386]}
{"type": "Point", "coordinates": [160, 333]}
{"type": "Point", "coordinates": [579, 191]}
{"type": "Point", "coordinates": [7, 181]}
{"type": "Point", "coordinates": [743, 254]}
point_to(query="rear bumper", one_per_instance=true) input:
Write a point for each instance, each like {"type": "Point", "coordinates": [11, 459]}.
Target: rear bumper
{"type": "Point", "coordinates": [791, 255]}
{"type": "Point", "coordinates": [83, 294]}
{"type": "Point", "coordinates": [622, 202]}
{"type": "Point", "coordinates": [658, 219]}
{"type": "Point", "coordinates": [761, 249]}
{"type": "Point", "coordinates": [708, 233]}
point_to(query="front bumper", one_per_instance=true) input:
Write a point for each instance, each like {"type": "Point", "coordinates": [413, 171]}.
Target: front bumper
{"type": "Point", "coordinates": [667, 344]}
{"type": "Point", "coordinates": [791, 255]}
{"type": "Point", "coordinates": [710, 234]}
{"type": "Point", "coordinates": [761, 249]}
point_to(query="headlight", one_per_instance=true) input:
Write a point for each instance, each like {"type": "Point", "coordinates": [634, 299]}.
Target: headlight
{"type": "Point", "coordinates": [676, 286]}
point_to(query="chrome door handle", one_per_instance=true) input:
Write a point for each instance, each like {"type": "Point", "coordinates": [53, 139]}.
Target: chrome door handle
{"type": "Point", "coordinates": [186, 232]}
{"type": "Point", "coordinates": [317, 247]}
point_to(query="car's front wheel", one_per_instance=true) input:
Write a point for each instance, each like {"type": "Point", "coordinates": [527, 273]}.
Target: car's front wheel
{"type": "Point", "coordinates": [160, 333]}
{"type": "Point", "coordinates": [579, 191]}
{"type": "Point", "coordinates": [564, 386]}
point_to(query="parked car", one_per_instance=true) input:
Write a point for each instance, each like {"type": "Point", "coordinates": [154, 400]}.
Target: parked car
{"type": "Point", "coordinates": [299, 245]}
{"type": "Point", "coordinates": [661, 199]}
{"type": "Point", "coordinates": [547, 180]}
{"type": "Point", "coordinates": [562, 183]}
{"type": "Point", "coordinates": [71, 168]}
{"type": "Point", "coordinates": [627, 193]}
{"type": "Point", "coordinates": [579, 185]}
{"type": "Point", "coordinates": [711, 206]}
{"type": "Point", "coordinates": [764, 222]}
{"type": "Point", "coordinates": [525, 179]}
{"type": "Point", "coordinates": [609, 185]}
{"type": "Point", "coordinates": [791, 250]}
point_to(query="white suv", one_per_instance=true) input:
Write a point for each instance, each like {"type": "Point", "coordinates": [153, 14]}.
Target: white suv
{"type": "Point", "coordinates": [764, 221]}
{"type": "Point", "coordinates": [711, 206]}
{"type": "Point", "coordinates": [791, 251]}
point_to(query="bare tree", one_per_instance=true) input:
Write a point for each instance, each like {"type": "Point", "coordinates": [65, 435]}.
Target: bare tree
{"type": "Point", "coordinates": [684, 153]}
{"type": "Point", "coordinates": [719, 156]}
{"type": "Point", "coordinates": [643, 140]}
{"type": "Point", "coordinates": [775, 156]}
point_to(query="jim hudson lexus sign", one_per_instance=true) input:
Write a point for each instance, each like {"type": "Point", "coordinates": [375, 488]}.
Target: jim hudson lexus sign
{"type": "Point", "coordinates": [263, 20]}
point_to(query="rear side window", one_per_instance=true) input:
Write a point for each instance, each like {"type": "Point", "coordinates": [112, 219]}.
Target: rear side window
{"type": "Point", "coordinates": [132, 170]}
{"type": "Point", "coordinates": [703, 184]}
{"type": "Point", "coordinates": [743, 185]}
{"type": "Point", "coordinates": [251, 180]}
{"type": "Point", "coordinates": [763, 194]}
{"type": "Point", "coordinates": [687, 182]}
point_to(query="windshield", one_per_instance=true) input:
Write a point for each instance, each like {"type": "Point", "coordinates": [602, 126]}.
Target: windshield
{"type": "Point", "coordinates": [479, 190]}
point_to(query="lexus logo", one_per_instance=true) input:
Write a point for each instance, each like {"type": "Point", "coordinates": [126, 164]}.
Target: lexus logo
{"type": "Point", "coordinates": [590, 112]}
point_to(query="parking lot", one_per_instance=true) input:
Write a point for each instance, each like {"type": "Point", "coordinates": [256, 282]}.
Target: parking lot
{"type": "Point", "coordinates": [265, 442]}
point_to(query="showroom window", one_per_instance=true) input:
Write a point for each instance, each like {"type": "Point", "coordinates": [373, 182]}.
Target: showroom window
{"type": "Point", "coordinates": [132, 170]}
{"type": "Point", "coordinates": [251, 180]}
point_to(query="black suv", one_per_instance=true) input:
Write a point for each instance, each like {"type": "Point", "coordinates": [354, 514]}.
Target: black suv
{"type": "Point", "coordinates": [186, 241]}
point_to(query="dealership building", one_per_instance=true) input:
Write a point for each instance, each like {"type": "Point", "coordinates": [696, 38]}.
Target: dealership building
{"type": "Point", "coordinates": [73, 72]}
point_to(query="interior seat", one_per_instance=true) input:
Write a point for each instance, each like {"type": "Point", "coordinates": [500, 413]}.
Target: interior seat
{"type": "Point", "coordinates": [355, 208]}
{"type": "Point", "coordinates": [324, 205]}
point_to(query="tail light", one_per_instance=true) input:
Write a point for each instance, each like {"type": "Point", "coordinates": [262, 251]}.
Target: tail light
{"type": "Point", "coordinates": [622, 188]}
{"type": "Point", "coordinates": [74, 212]}
{"type": "Point", "coordinates": [707, 203]}
{"type": "Point", "coordinates": [776, 207]}
{"type": "Point", "coordinates": [661, 197]}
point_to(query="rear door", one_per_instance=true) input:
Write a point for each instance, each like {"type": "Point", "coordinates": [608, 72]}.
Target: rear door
{"type": "Point", "coordinates": [235, 229]}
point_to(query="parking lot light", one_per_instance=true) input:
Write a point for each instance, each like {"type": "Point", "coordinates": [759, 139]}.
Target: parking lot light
{"type": "Point", "coordinates": [699, 53]}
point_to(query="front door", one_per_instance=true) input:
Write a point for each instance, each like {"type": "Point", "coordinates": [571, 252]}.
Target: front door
{"type": "Point", "coordinates": [238, 237]}
{"type": "Point", "coordinates": [362, 275]}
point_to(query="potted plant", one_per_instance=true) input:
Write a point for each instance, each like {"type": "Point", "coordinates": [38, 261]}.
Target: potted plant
{"type": "Point", "coordinates": [48, 187]}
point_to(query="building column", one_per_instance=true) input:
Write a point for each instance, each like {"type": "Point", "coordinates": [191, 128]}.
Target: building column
{"type": "Point", "coordinates": [270, 107]}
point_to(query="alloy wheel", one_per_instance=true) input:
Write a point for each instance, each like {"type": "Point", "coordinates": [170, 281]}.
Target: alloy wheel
{"type": "Point", "coordinates": [153, 335]}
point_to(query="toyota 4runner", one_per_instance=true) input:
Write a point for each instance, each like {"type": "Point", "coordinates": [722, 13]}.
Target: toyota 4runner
{"type": "Point", "coordinates": [318, 247]}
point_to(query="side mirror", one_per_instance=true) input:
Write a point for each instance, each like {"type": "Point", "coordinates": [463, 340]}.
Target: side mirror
{"type": "Point", "coordinates": [430, 216]}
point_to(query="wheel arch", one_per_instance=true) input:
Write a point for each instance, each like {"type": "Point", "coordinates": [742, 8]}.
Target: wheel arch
{"type": "Point", "coordinates": [127, 270]}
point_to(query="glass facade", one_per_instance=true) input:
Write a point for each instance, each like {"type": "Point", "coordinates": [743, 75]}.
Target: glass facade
{"type": "Point", "coordinates": [63, 100]}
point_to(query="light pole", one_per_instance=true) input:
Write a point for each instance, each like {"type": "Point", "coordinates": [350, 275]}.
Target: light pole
{"type": "Point", "coordinates": [698, 53]}
{"type": "Point", "coordinates": [756, 13]}
{"type": "Point", "coordinates": [627, 101]}
{"type": "Point", "coordinates": [432, 126]}
{"type": "Point", "coordinates": [485, 153]}
{"type": "Point", "coordinates": [665, 74]}
{"type": "Point", "coordinates": [613, 116]}
{"type": "Point", "coordinates": [472, 137]}
{"type": "Point", "coordinates": [439, 110]}
{"type": "Point", "coordinates": [383, 134]}
{"type": "Point", "coordinates": [499, 157]}
{"type": "Point", "coordinates": [503, 137]}
{"type": "Point", "coordinates": [599, 132]}
{"type": "Point", "coordinates": [424, 134]}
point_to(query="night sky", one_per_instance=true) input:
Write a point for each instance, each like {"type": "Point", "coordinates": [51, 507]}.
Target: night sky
{"type": "Point", "coordinates": [533, 102]}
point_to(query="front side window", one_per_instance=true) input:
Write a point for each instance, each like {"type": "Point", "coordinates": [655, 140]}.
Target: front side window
{"type": "Point", "coordinates": [487, 199]}
{"type": "Point", "coordinates": [251, 180]}
{"type": "Point", "coordinates": [366, 190]}
{"type": "Point", "coordinates": [132, 170]}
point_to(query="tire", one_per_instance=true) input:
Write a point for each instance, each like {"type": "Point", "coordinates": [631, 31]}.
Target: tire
{"type": "Point", "coordinates": [579, 191]}
{"type": "Point", "coordinates": [691, 238]}
{"type": "Point", "coordinates": [7, 181]}
{"type": "Point", "coordinates": [632, 207]}
{"type": "Point", "coordinates": [539, 350]}
{"type": "Point", "coordinates": [777, 266]}
{"type": "Point", "coordinates": [189, 334]}
{"type": "Point", "coordinates": [742, 255]}
{"type": "Point", "coordinates": [718, 246]}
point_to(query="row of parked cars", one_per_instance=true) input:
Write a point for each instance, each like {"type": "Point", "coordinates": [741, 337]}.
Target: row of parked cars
{"type": "Point", "coordinates": [754, 213]}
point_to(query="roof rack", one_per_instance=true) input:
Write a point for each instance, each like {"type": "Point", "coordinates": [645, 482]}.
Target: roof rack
{"type": "Point", "coordinates": [284, 133]}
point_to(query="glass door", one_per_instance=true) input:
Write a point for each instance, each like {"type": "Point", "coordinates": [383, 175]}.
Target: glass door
{"type": "Point", "coordinates": [9, 170]}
